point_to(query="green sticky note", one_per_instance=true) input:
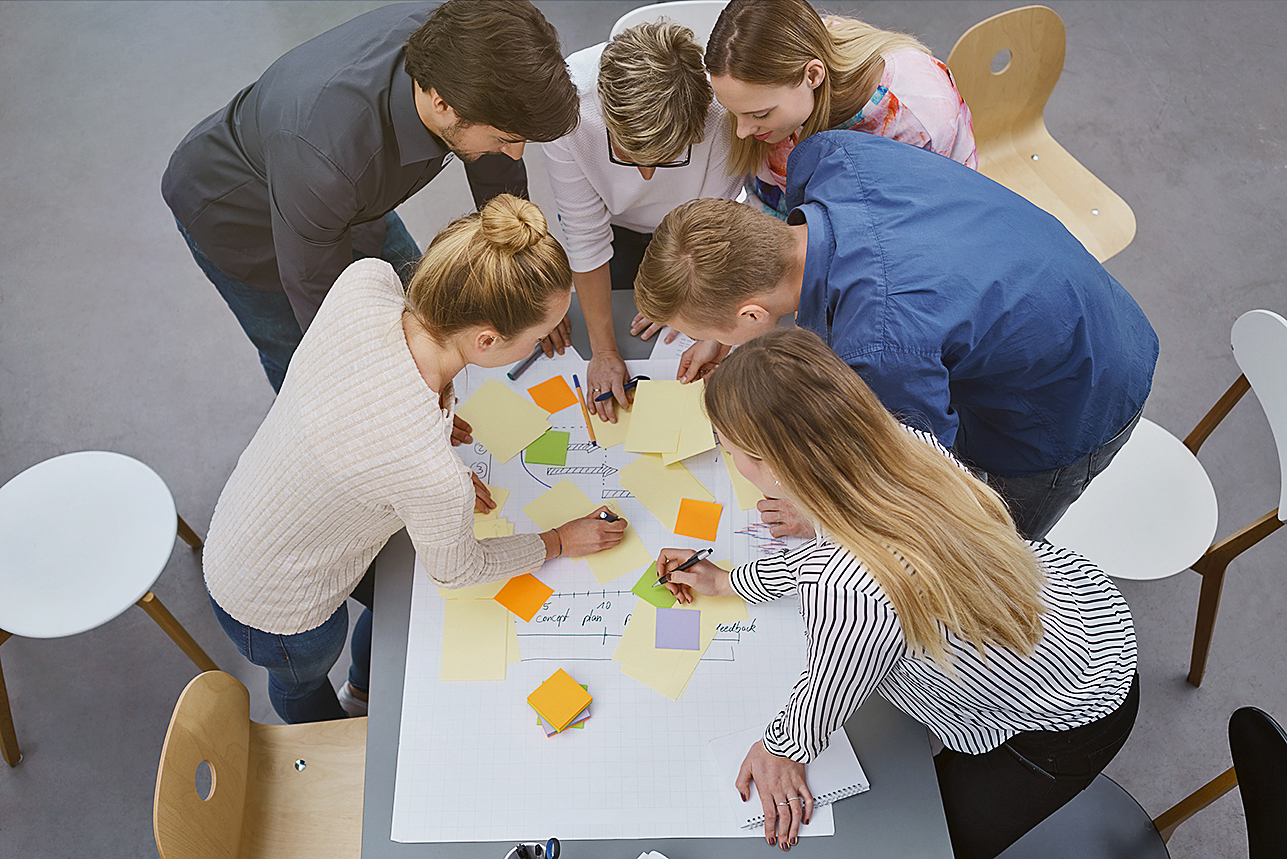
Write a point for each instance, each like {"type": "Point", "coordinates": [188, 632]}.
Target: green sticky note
{"type": "Point", "coordinates": [550, 449]}
{"type": "Point", "coordinates": [658, 596]}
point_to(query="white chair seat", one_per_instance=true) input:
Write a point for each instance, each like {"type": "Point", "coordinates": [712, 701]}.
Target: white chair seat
{"type": "Point", "coordinates": [697, 15]}
{"type": "Point", "coordinates": [83, 537]}
{"type": "Point", "coordinates": [1150, 514]}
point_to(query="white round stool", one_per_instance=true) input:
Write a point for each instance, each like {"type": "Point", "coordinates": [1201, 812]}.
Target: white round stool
{"type": "Point", "coordinates": [84, 536]}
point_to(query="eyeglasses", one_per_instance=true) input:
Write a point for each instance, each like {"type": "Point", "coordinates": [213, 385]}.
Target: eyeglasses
{"type": "Point", "coordinates": [682, 162]}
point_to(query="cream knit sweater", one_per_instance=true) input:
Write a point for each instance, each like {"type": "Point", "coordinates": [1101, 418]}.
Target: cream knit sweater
{"type": "Point", "coordinates": [355, 448]}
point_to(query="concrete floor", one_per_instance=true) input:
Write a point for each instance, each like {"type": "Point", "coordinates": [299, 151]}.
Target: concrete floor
{"type": "Point", "coordinates": [110, 338]}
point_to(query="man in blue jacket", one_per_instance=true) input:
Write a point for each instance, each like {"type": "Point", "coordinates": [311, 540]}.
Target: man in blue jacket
{"type": "Point", "coordinates": [971, 312]}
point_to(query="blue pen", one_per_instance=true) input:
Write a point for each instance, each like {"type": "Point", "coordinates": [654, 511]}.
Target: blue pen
{"type": "Point", "coordinates": [636, 380]}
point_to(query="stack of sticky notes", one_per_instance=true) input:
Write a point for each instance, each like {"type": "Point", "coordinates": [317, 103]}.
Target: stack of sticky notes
{"type": "Point", "coordinates": [490, 524]}
{"type": "Point", "coordinates": [578, 722]}
{"type": "Point", "coordinates": [668, 419]}
{"type": "Point", "coordinates": [560, 702]}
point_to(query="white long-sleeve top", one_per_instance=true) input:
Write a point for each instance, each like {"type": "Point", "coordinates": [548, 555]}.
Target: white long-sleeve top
{"type": "Point", "coordinates": [1081, 670]}
{"type": "Point", "coordinates": [355, 448]}
{"type": "Point", "coordinates": [592, 193]}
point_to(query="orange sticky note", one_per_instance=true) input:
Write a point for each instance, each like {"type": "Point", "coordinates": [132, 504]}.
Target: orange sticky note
{"type": "Point", "coordinates": [559, 699]}
{"type": "Point", "coordinates": [553, 395]}
{"type": "Point", "coordinates": [698, 519]}
{"type": "Point", "coordinates": [524, 595]}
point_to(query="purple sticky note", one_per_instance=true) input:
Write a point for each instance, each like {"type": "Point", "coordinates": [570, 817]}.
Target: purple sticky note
{"type": "Point", "coordinates": [678, 629]}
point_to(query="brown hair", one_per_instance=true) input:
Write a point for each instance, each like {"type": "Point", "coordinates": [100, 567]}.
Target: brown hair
{"type": "Point", "coordinates": [497, 63]}
{"type": "Point", "coordinates": [498, 267]}
{"type": "Point", "coordinates": [708, 255]}
{"type": "Point", "coordinates": [771, 42]}
{"type": "Point", "coordinates": [939, 542]}
{"type": "Point", "coordinates": [653, 91]}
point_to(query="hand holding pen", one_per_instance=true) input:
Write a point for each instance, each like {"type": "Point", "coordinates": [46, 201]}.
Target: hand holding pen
{"type": "Point", "coordinates": [684, 571]}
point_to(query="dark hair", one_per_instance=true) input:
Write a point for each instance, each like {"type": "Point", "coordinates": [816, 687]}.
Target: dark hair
{"type": "Point", "coordinates": [497, 63]}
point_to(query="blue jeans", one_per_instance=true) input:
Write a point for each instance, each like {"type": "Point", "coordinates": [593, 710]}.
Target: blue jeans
{"type": "Point", "coordinates": [266, 315]}
{"type": "Point", "coordinates": [1038, 500]}
{"type": "Point", "coordinates": [298, 686]}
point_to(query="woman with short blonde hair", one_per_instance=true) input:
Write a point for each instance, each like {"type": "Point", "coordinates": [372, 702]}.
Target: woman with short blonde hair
{"type": "Point", "coordinates": [357, 447]}
{"type": "Point", "coordinates": [784, 73]}
{"type": "Point", "coordinates": [1019, 656]}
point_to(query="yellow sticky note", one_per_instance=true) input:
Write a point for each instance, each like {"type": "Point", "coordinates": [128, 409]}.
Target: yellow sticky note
{"type": "Point", "coordinates": [553, 395]}
{"type": "Point", "coordinates": [556, 505]}
{"type": "Point", "coordinates": [485, 528]}
{"type": "Point", "coordinates": [660, 487]}
{"type": "Point", "coordinates": [472, 592]}
{"type": "Point", "coordinates": [559, 699]}
{"type": "Point", "coordinates": [654, 424]}
{"type": "Point", "coordinates": [500, 496]}
{"type": "Point", "coordinates": [668, 671]}
{"type": "Point", "coordinates": [695, 433]}
{"type": "Point", "coordinates": [699, 519]}
{"type": "Point", "coordinates": [512, 654]}
{"type": "Point", "coordinates": [524, 595]}
{"type": "Point", "coordinates": [744, 491]}
{"type": "Point", "coordinates": [625, 557]}
{"type": "Point", "coordinates": [608, 434]}
{"type": "Point", "coordinates": [503, 421]}
{"type": "Point", "coordinates": [474, 640]}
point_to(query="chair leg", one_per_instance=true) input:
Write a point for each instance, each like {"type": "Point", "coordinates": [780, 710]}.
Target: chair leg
{"type": "Point", "coordinates": [159, 613]}
{"type": "Point", "coordinates": [1167, 821]}
{"type": "Point", "coordinates": [8, 736]}
{"type": "Point", "coordinates": [188, 535]}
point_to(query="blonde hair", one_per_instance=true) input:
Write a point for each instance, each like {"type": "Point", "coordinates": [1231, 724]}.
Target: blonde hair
{"type": "Point", "coordinates": [769, 42]}
{"type": "Point", "coordinates": [940, 543]}
{"type": "Point", "coordinates": [653, 91]}
{"type": "Point", "coordinates": [706, 256]}
{"type": "Point", "coordinates": [498, 267]}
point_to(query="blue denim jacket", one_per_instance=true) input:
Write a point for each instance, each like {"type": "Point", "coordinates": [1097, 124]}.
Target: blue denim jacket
{"type": "Point", "coordinates": [971, 312]}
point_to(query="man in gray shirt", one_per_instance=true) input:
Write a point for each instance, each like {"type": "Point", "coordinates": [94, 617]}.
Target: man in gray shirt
{"type": "Point", "coordinates": [299, 174]}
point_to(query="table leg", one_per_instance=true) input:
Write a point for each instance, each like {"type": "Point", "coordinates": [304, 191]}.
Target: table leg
{"type": "Point", "coordinates": [159, 613]}
{"type": "Point", "coordinates": [8, 736]}
{"type": "Point", "coordinates": [188, 535]}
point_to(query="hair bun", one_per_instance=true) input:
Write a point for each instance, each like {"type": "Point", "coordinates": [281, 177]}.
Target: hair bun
{"type": "Point", "coordinates": [512, 224]}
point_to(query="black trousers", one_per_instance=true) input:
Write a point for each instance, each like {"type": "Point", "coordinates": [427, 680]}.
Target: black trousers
{"type": "Point", "coordinates": [628, 249]}
{"type": "Point", "coordinates": [992, 799]}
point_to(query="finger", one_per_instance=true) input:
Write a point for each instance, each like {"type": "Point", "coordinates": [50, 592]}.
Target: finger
{"type": "Point", "coordinates": [461, 424]}
{"type": "Point", "coordinates": [779, 530]}
{"type": "Point", "coordinates": [743, 781]}
{"type": "Point", "coordinates": [547, 346]}
{"type": "Point", "coordinates": [685, 363]}
{"type": "Point", "coordinates": [768, 505]}
{"type": "Point", "coordinates": [653, 329]}
{"type": "Point", "coordinates": [670, 337]}
{"type": "Point", "coordinates": [797, 817]}
{"type": "Point", "coordinates": [638, 324]}
{"type": "Point", "coordinates": [770, 806]}
{"type": "Point", "coordinates": [807, 804]}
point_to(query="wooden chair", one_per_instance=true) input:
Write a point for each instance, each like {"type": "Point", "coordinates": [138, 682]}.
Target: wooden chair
{"type": "Point", "coordinates": [1014, 146]}
{"type": "Point", "coordinates": [697, 15]}
{"type": "Point", "coordinates": [279, 791]}
{"type": "Point", "coordinates": [84, 536]}
{"type": "Point", "coordinates": [1105, 822]}
{"type": "Point", "coordinates": [1152, 512]}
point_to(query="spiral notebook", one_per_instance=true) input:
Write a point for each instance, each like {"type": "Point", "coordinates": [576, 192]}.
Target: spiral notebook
{"type": "Point", "coordinates": [835, 774]}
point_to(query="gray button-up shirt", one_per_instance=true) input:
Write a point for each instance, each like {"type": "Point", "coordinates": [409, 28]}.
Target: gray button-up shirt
{"type": "Point", "coordinates": [298, 171]}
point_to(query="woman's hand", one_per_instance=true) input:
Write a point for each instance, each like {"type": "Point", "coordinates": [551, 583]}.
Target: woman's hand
{"type": "Point", "coordinates": [483, 502]}
{"type": "Point", "coordinates": [703, 577]}
{"type": "Point", "coordinates": [783, 792]}
{"type": "Point", "coordinates": [461, 432]}
{"type": "Point", "coordinates": [783, 519]}
{"type": "Point", "coordinates": [641, 324]}
{"type": "Point", "coordinates": [582, 537]}
{"type": "Point", "coordinates": [607, 372]}
{"type": "Point", "coordinates": [700, 360]}
{"type": "Point", "coordinates": [558, 339]}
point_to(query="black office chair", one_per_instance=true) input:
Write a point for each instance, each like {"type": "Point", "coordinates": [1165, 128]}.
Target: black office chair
{"type": "Point", "coordinates": [1105, 822]}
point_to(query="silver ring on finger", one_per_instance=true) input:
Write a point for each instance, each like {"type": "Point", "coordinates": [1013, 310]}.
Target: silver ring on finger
{"type": "Point", "coordinates": [788, 802]}
{"type": "Point", "coordinates": [801, 798]}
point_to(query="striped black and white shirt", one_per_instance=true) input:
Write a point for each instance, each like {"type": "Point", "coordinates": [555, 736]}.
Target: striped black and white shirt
{"type": "Point", "coordinates": [1080, 671]}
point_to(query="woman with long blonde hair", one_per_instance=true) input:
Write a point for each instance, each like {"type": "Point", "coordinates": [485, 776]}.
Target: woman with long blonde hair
{"type": "Point", "coordinates": [1019, 656]}
{"type": "Point", "coordinates": [784, 73]}
{"type": "Point", "coordinates": [357, 447]}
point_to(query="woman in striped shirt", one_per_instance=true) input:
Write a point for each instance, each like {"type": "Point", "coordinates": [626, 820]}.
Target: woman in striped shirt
{"type": "Point", "coordinates": [1018, 655]}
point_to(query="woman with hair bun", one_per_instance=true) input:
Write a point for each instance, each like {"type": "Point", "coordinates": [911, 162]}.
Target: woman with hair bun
{"type": "Point", "coordinates": [357, 447]}
{"type": "Point", "coordinates": [1019, 656]}
{"type": "Point", "coordinates": [784, 73]}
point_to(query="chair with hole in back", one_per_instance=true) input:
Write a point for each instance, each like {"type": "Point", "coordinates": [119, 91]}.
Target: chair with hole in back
{"type": "Point", "coordinates": [231, 788]}
{"type": "Point", "coordinates": [1105, 822]}
{"type": "Point", "coordinates": [1152, 512]}
{"type": "Point", "coordinates": [84, 536]}
{"type": "Point", "coordinates": [697, 15]}
{"type": "Point", "coordinates": [1014, 146]}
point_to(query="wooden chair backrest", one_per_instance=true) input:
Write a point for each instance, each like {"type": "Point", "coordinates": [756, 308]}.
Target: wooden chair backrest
{"type": "Point", "coordinates": [211, 723]}
{"type": "Point", "coordinates": [1013, 100]}
{"type": "Point", "coordinates": [1259, 340]}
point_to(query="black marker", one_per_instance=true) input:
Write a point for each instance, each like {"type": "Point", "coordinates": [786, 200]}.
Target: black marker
{"type": "Point", "coordinates": [697, 556]}
{"type": "Point", "coordinates": [521, 366]}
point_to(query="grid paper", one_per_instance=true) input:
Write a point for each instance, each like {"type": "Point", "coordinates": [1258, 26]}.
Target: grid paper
{"type": "Point", "coordinates": [472, 763]}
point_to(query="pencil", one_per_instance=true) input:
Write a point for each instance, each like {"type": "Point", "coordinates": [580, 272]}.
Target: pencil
{"type": "Point", "coordinates": [585, 413]}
